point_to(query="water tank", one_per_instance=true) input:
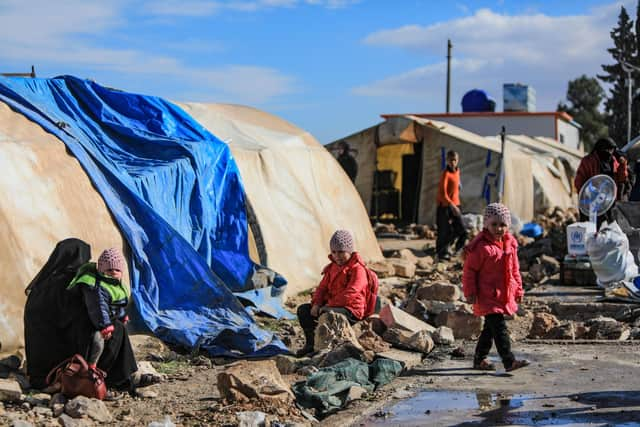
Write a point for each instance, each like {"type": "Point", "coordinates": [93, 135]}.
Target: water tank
{"type": "Point", "coordinates": [518, 97]}
{"type": "Point", "coordinates": [477, 100]}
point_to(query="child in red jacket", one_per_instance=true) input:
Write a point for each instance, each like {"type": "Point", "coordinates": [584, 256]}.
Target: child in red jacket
{"type": "Point", "coordinates": [343, 288]}
{"type": "Point", "coordinates": [491, 282]}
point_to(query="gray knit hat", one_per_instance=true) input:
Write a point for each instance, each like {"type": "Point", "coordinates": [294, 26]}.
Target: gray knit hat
{"type": "Point", "coordinates": [111, 258]}
{"type": "Point", "coordinates": [342, 240]}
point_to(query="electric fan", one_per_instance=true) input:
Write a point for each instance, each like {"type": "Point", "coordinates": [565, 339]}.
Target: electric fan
{"type": "Point", "coordinates": [597, 196]}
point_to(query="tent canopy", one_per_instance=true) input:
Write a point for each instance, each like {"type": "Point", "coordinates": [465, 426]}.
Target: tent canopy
{"type": "Point", "coordinates": [543, 165]}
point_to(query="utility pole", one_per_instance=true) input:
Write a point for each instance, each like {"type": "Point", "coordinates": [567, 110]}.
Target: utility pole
{"type": "Point", "coordinates": [449, 46]}
{"type": "Point", "coordinates": [503, 134]}
{"type": "Point", "coordinates": [628, 68]}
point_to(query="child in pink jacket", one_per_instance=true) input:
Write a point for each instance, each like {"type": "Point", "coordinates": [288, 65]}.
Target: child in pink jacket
{"type": "Point", "coordinates": [491, 282]}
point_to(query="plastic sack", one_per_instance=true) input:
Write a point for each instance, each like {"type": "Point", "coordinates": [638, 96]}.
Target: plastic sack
{"type": "Point", "coordinates": [610, 256]}
{"type": "Point", "coordinates": [472, 222]}
{"type": "Point", "coordinates": [164, 423]}
{"type": "Point", "coordinates": [516, 224]}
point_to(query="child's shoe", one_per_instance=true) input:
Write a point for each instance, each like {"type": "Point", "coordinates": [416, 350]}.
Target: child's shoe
{"type": "Point", "coordinates": [517, 364]}
{"type": "Point", "coordinates": [484, 365]}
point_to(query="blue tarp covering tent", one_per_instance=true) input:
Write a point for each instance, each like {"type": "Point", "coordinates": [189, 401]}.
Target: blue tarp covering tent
{"type": "Point", "coordinates": [176, 194]}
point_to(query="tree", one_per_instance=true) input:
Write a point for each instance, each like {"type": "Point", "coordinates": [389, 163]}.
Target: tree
{"type": "Point", "coordinates": [624, 50]}
{"type": "Point", "coordinates": [584, 96]}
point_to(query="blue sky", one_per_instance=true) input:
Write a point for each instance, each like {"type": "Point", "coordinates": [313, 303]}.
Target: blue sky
{"type": "Point", "coordinates": [329, 66]}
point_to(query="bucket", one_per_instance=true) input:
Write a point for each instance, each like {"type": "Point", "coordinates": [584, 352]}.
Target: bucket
{"type": "Point", "coordinates": [577, 237]}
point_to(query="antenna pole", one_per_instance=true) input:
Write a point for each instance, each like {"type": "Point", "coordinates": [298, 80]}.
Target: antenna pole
{"type": "Point", "coordinates": [449, 46]}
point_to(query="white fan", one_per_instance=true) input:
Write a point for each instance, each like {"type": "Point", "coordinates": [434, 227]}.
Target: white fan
{"type": "Point", "coordinates": [597, 196]}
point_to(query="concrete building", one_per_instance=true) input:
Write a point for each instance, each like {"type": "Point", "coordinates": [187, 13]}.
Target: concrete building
{"type": "Point", "coordinates": [559, 126]}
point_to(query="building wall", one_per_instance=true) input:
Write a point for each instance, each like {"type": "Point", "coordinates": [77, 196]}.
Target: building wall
{"type": "Point", "coordinates": [568, 134]}
{"type": "Point", "coordinates": [535, 125]}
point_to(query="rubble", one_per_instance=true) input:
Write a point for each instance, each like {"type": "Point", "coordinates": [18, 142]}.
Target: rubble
{"type": "Point", "coordinates": [395, 317]}
{"type": "Point", "coordinates": [438, 291]}
{"type": "Point", "coordinates": [333, 330]}
{"type": "Point", "coordinates": [10, 390]}
{"type": "Point", "coordinates": [420, 341]}
{"type": "Point", "coordinates": [463, 323]}
{"type": "Point", "coordinates": [81, 406]}
{"type": "Point", "coordinates": [543, 323]}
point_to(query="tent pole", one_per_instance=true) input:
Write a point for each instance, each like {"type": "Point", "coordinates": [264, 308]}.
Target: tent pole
{"type": "Point", "coordinates": [501, 176]}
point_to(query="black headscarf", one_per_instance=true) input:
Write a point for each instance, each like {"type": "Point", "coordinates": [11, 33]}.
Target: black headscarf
{"type": "Point", "coordinates": [68, 256]}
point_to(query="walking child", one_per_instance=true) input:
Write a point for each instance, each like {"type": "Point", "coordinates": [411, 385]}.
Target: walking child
{"type": "Point", "coordinates": [491, 281]}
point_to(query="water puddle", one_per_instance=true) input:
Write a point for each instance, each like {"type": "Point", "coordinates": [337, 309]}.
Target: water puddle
{"type": "Point", "coordinates": [444, 408]}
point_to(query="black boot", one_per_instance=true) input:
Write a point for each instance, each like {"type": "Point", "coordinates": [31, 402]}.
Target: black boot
{"type": "Point", "coordinates": [308, 346]}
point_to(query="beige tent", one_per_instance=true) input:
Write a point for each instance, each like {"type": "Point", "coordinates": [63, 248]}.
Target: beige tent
{"type": "Point", "coordinates": [298, 192]}
{"type": "Point", "coordinates": [538, 171]}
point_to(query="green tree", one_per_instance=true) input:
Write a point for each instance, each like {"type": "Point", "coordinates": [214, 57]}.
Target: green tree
{"type": "Point", "coordinates": [584, 96]}
{"type": "Point", "coordinates": [624, 50]}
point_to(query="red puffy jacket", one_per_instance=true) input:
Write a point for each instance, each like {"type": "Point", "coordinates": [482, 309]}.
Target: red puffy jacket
{"type": "Point", "coordinates": [590, 166]}
{"type": "Point", "coordinates": [491, 273]}
{"type": "Point", "coordinates": [344, 286]}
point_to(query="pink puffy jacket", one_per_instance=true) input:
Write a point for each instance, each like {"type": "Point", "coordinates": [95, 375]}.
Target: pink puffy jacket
{"type": "Point", "coordinates": [492, 274]}
{"type": "Point", "coordinates": [344, 286]}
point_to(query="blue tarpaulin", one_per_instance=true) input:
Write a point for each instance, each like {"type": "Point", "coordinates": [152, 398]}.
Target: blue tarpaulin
{"type": "Point", "coordinates": [177, 196]}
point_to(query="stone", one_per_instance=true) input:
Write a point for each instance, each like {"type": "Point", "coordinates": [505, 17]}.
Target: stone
{"type": "Point", "coordinates": [147, 393]}
{"type": "Point", "coordinates": [81, 406]}
{"type": "Point", "coordinates": [463, 324]}
{"type": "Point", "coordinates": [419, 341]}
{"type": "Point", "coordinates": [259, 379]}
{"type": "Point", "coordinates": [436, 307]}
{"type": "Point", "coordinates": [395, 317]}
{"type": "Point", "coordinates": [536, 272]}
{"type": "Point", "coordinates": [438, 291]}
{"type": "Point", "coordinates": [443, 336]}
{"type": "Point", "coordinates": [373, 323]}
{"type": "Point", "coordinates": [406, 358]}
{"type": "Point", "coordinates": [606, 328]}
{"type": "Point", "coordinates": [371, 341]}
{"type": "Point", "coordinates": [416, 308]}
{"type": "Point", "coordinates": [403, 268]}
{"type": "Point", "coordinates": [57, 409]}
{"type": "Point", "coordinates": [334, 329]}
{"type": "Point", "coordinates": [542, 324]}
{"type": "Point", "coordinates": [21, 423]}
{"type": "Point", "coordinates": [564, 331]}
{"type": "Point", "coordinates": [146, 368]}
{"type": "Point", "coordinates": [287, 365]}
{"type": "Point", "coordinates": [344, 351]}
{"type": "Point", "coordinates": [425, 262]}
{"type": "Point", "coordinates": [57, 398]}
{"type": "Point", "coordinates": [441, 267]}
{"type": "Point", "coordinates": [550, 264]}
{"type": "Point", "coordinates": [149, 347]}
{"type": "Point", "coordinates": [382, 268]}
{"type": "Point", "coordinates": [43, 412]}
{"type": "Point", "coordinates": [38, 399]}
{"type": "Point", "coordinates": [355, 393]}
{"type": "Point", "coordinates": [10, 390]}
{"type": "Point", "coordinates": [67, 421]}
{"type": "Point", "coordinates": [407, 255]}
{"type": "Point", "coordinates": [251, 419]}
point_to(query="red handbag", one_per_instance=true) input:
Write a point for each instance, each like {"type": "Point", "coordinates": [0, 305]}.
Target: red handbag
{"type": "Point", "coordinates": [76, 379]}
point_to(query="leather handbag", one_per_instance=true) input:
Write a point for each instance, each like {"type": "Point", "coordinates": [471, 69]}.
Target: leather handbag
{"type": "Point", "coordinates": [76, 379]}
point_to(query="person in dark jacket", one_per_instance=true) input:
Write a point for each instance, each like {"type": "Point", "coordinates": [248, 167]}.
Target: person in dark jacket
{"type": "Point", "coordinates": [50, 309]}
{"type": "Point", "coordinates": [347, 161]}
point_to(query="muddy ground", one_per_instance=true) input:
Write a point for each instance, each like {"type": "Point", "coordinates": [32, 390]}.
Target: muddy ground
{"type": "Point", "coordinates": [578, 383]}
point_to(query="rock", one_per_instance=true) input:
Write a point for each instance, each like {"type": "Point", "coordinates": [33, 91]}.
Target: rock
{"type": "Point", "coordinates": [10, 390]}
{"type": "Point", "coordinates": [394, 317]}
{"type": "Point", "coordinates": [416, 308]}
{"type": "Point", "coordinates": [542, 324]}
{"type": "Point", "coordinates": [536, 272]}
{"type": "Point", "coordinates": [149, 347]}
{"type": "Point", "coordinates": [146, 368]}
{"type": "Point", "coordinates": [419, 341]}
{"type": "Point", "coordinates": [373, 323]}
{"type": "Point", "coordinates": [403, 268]}
{"type": "Point", "coordinates": [371, 341]}
{"type": "Point", "coordinates": [287, 365]}
{"type": "Point", "coordinates": [307, 370]}
{"type": "Point", "coordinates": [564, 331]}
{"type": "Point", "coordinates": [67, 421]}
{"type": "Point", "coordinates": [12, 362]}
{"type": "Point", "coordinates": [425, 262]}
{"type": "Point", "coordinates": [443, 336]}
{"type": "Point", "coordinates": [606, 328]}
{"type": "Point", "coordinates": [463, 324]}
{"type": "Point", "coordinates": [436, 307]}
{"type": "Point", "coordinates": [38, 399]}
{"type": "Point", "coordinates": [83, 406]}
{"type": "Point", "coordinates": [441, 267]}
{"type": "Point", "coordinates": [407, 255]}
{"type": "Point", "coordinates": [334, 329]}
{"type": "Point", "coordinates": [382, 268]}
{"type": "Point", "coordinates": [344, 351]}
{"type": "Point", "coordinates": [261, 380]}
{"type": "Point", "coordinates": [43, 412]}
{"type": "Point", "coordinates": [57, 409]}
{"type": "Point", "coordinates": [57, 398]}
{"type": "Point", "coordinates": [406, 358]}
{"type": "Point", "coordinates": [439, 292]}
{"type": "Point", "coordinates": [251, 419]}
{"type": "Point", "coordinates": [147, 393]}
{"type": "Point", "coordinates": [550, 264]}
{"type": "Point", "coordinates": [355, 393]}
{"type": "Point", "coordinates": [21, 423]}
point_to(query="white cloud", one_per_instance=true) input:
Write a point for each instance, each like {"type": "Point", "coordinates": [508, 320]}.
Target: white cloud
{"type": "Point", "coordinates": [182, 7]}
{"type": "Point", "coordinates": [39, 33]}
{"type": "Point", "coordinates": [491, 48]}
{"type": "Point", "coordinates": [206, 8]}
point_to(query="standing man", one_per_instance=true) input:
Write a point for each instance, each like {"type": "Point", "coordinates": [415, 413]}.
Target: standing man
{"type": "Point", "coordinates": [347, 161]}
{"type": "Point", "coordinates": [448, 214]}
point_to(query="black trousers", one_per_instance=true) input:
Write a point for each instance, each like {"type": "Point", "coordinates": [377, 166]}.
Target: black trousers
{"type": "Point", "coordinates": [450, 230]}
{"type": "Point", "coordinates": [309, 323]}
{"type": "Point", "coordinates": [495, 330]}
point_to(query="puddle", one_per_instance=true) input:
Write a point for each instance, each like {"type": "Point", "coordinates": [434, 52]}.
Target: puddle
{"type": "Point", "coordinates": [443, 408]}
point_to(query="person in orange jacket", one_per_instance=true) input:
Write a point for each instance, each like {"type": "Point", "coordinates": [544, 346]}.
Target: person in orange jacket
{"type": "Point", "coordinates": [343, 288]}
{"type": "Point", "coordinates": [448, 214]}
